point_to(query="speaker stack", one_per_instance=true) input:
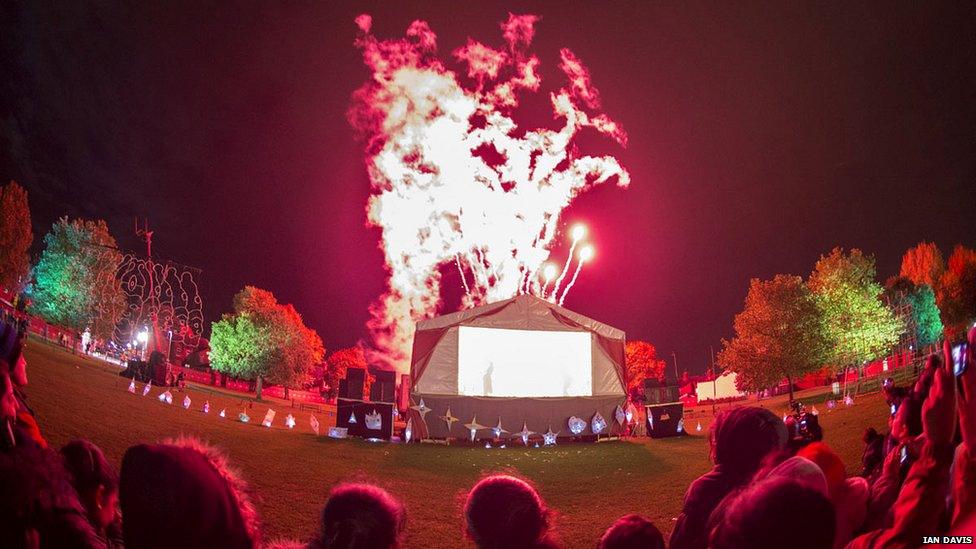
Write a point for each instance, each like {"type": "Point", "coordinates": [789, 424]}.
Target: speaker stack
{"type": "Point", "coordinates": [665, 412]}
{"type": "Point", "coordinates": [373, 419]}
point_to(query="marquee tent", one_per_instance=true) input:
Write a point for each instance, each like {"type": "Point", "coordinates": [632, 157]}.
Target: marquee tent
{"type": "Point", "coordinates": [519, 362]}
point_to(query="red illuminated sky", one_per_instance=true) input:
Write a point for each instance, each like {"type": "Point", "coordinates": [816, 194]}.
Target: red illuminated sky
{"type": "Point", "coordinates": [760, 137]}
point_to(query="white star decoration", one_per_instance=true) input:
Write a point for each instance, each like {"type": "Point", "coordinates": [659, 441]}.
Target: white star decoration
{"type": "Point", "coordinates": [498, 430]}
{"type": "Point", "coordinates": [549, 438]}
{"type": "Point", "coordinates": [524, 433]}
{"type": "Point", "coordinates": [474, 426]}
{"type": "Point", "coordinates": [449, 419]}
{"type": "Point", "coordinates": [422, 408]}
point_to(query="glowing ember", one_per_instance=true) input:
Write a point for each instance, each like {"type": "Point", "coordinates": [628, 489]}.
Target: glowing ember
{"type": "Point", "coordinates": [455, 180]}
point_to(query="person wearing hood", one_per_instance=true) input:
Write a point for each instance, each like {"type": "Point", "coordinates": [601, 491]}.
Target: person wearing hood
{"type": "Point", "coordinates": [183, 493]}
{"type": "Point", "coordinates": [741, 439]}
{"type": "Point", "coordinates": [12, 353]}
{"type": "Point", "coordinates": [848, 494]}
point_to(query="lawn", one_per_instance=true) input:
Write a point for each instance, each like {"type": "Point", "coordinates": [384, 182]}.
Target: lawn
{"type": "Point", "coordinates": [589, 485]}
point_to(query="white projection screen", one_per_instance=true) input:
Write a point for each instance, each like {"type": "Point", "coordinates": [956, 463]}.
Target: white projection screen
{"type": "Point", "coordinates": [496, 362]}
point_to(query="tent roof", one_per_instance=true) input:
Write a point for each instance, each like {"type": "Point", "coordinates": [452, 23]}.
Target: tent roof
{"type": "Point", "coordinates": [528, 306]}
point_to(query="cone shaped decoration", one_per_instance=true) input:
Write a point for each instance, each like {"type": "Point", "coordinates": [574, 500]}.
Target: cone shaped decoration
{"type": "Point", "coordinates": [223, 412]}
{"type": "Point", "coordinates": [352, 418]}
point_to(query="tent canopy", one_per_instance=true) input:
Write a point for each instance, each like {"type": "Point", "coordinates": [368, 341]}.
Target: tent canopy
{"type": "Point", "coordinates": [434, 363]}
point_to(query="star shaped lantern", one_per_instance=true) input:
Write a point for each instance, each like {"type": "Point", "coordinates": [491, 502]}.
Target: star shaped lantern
{"type": "Point", "coordinates": [549, 438]}
{"type": "Point", "coordinates": [422, 408]}
{"type": "Point", "coordinates": [449, 419]}
{"type": "Point", "coordinates": [524, 434]}
{"type": "Point", "coordinates": [473, 426]}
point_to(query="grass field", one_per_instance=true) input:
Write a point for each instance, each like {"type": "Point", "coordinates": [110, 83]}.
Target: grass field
{"type": "Point", "coordinates": [589, 485]}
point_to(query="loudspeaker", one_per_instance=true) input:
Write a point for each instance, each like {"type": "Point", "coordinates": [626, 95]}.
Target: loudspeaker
{"type": "Point", "coordinates": [655, 393]}
{"type": "Point", "coordinates": [665, 420]}
{"type": "Point", "coordinates": [383, 388]}
{"type": "Point", "coordinates": [365, 419]}
{"type": "Point", "coordinates": [352, 386]}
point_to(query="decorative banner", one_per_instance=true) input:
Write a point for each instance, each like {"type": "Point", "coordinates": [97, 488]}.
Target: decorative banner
{"type": "Point", "coordinates": [223, 412]}
{"type": "Point", "coordinates": [576, 425]}
{"type": "Point", "coordinates": [132, 386]}
{"type": "Point", "coordinates": [408, 430]}
{"type": "Point", "coordinates": [315, 424]}
{"type": "Point", "coordinates": [374, 421]}
{"type": "Point", "coordinates": [268, 418]}
{"type": "Point", "coordinates": [598, 424]}
{"type": "Point", "coordinates": [206, 407]}
{"type": "Point", "coordinates": [243, 417]}
{"type": "Point", "coordinates": [186, 402]}
{"type": "Point", "coordinates": [290, 421]}
{"type": "Point", "coordinates": [338, 432]}
{"type": "Point", "coordinates": [145, 390]}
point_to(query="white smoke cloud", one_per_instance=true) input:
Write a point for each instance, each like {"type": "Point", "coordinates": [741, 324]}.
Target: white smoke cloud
{"type": "Point", "coordinates": [453, 179]}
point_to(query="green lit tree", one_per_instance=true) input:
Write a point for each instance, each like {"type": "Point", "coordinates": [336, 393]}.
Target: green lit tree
{"type": "Point", "coordinates": [15, 237]}
{"type": "Point", "coordinates": [264, 340]}
{"type": "Point", "coordinates": [778, 335]}
{"type": "Point", "coordinates": [74, 281]}
{"type": "Point", "coordinates": [857, 324]}
{"type": "Point", "coordinates": [919, 311]}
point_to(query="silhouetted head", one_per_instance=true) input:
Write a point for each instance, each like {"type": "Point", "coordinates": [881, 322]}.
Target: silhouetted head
{"type": "Point", "coordinates": [774, 513]}
{"type": "Point", "coordinates": [742, 437]}
{"type": "Point", "coordinates": [632, 532]}
{"type": "Point", "coordinates": [361, 516]}
{"type": "Point", "coordinates": [184, 493]}
{"type": "Point", "coordinates": [94, 479]}
{"type": "Point", "coordinates": [504, 511]}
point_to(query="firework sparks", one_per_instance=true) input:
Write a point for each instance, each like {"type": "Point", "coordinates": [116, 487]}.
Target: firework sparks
{"type": "Point", "coordinates": [454, 179]}
{"type": "Point", "coordinates": [585, 254]}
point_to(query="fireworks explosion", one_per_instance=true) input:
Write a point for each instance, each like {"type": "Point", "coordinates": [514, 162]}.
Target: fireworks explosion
{"type": "Point", "coordinates": [456, 181]}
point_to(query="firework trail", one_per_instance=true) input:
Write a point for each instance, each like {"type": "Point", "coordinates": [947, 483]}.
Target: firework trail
{"type": "Point", "coordinates": [454, 178]}
{"type": "Point", "coordinates": [584, 256]}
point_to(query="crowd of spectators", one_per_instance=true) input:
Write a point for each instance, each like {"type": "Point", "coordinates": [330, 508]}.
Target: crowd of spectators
{"type": "Point", "coordinates": [916, 481]}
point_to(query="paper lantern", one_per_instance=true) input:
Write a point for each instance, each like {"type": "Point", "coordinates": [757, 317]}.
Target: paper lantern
{"type": "Point", "coordinates": [145, 390]}
{"type": "Point", "coordinates": [524, 434]}
{"type": "Point", "coordinates": [408, 431]}
{"type": "Point", "coordinates": [290, 421]}
{"type": "Point", "coordinates": [243, 417]}
{"type": "Point", "coordinates": [549, 438]}
{"type": "Point", "coordinates": [186, 402]}
{"type": "Point", "coordinates": [374, 420]}
{"type": "Point", "coordinates": [268, 418]}
{"type": "Point", "coordinates": [206, 407]}
{"type": "Point", "coordinates": [620, 415]}
{"type": "Point", "coordinates": [223, 412]}
{"type": "Point", "coordinates": [576, 425]}
{"type": "Point", "coordinates": [132, 386]}
{"type": "Point", "coordinates": [314, 422]}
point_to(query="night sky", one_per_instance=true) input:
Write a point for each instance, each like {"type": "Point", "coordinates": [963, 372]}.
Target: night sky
{"type": "Point", "coordinates": [761, 136]}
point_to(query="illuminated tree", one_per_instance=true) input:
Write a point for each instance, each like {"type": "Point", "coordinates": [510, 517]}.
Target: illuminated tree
{"type": "Point", "coordinates": [641, 363]}
{"type": "Point", "coordinates": [957, 291]}
{"type": "Point", "coordinates": [74, 281]}
{"type": "Point", "coordinates": [778, 335]}
{"type": "Point", "coordinates": [858, 325]}
{"type": "Point", "coordinates": [923, 264]}
{"type": "Point", "coordinates": [920, 311]}
{"type": "Point", "coordinates": [15, 237]}
{"type": "Point", "coordinates": [338, 364]}
{"type": "Point", "coordinates": [279, 347]}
